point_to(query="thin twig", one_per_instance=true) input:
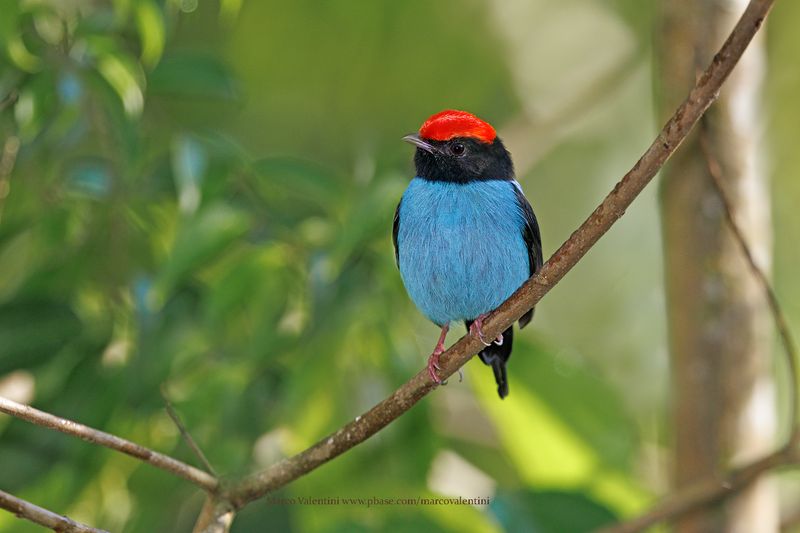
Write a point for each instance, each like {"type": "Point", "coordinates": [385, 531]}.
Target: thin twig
{"type": "Point", "coordinates": [707, 492]}
{"type": "Point", "coordinates": [9, 99]}
{"type": "Point", "coordinates": [194, 475]}
{"type": "Point", "coordinates": [187, 437]}
{"type": "Point", "coordinates": [607, 213]}
{"type": "Point", "coordinates": [789, 346]}
{"type": "Point", "coordinates": [43, 517]}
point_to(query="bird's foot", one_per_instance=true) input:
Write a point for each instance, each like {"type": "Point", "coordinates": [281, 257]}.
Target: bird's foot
{"type": "Point", "coordinates": [476, 328]}
{"type": "Point", "coordinates": [433, 360]}
{"type": "Point", "coordinates": [433, 366]}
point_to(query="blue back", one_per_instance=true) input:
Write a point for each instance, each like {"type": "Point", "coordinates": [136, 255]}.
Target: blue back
{"type": "Point", "coordinates": [461, 249]}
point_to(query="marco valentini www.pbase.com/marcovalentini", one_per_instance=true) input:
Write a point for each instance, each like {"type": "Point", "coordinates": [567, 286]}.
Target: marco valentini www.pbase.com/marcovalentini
{"type": "Point", "coordinates": [373, 500]}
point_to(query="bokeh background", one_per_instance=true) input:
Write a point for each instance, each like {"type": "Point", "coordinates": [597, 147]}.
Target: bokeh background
{"type": "Point", "coordinates": [199, 195]}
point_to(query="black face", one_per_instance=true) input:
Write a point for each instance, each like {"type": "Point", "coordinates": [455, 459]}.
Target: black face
{"type": "Point", "coordinates": [462, 160]}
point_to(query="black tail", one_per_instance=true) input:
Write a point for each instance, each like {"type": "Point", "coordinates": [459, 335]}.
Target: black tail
{"type": "Point", "coordinates": [496, 356]}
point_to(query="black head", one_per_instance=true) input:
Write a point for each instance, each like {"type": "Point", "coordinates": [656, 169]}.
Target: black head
{"type": "Point", "coordinates": [461, 159]}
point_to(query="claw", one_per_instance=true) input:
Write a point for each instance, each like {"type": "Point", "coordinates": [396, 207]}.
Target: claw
{"type": "Point", "coordinates": [499, 340]}
{"type": "Point", "coordinates": [476, 329]}
{"type": "Point", "coordinates": [433, 366]}
{"type": "Point", "coordinates": [433, 360]}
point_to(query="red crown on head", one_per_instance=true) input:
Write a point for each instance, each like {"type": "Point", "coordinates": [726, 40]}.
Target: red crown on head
{"type": "Point", "coordinates": [451, 123]}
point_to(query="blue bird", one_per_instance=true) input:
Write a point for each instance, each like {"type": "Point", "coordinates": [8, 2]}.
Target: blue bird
{"type": "Point", "coordinates": [465, 236]}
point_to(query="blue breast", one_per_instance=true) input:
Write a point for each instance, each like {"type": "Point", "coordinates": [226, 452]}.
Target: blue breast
{"type": "Point", "coordinates": [461, 248]}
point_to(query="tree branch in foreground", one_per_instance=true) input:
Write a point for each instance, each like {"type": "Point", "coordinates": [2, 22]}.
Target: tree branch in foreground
{"type": "Point", "coordinates": [41, 516]}
{"type": "Point", "coordinates": [612, 208]}
{"type": "Point", "coordinates": [191, 474]}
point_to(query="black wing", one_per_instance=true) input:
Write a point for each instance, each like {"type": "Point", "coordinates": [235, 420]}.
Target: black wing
{"type": "Point", "coordinates": [395, 229]}
{"type": "Point", "coordinates": [533, 241]}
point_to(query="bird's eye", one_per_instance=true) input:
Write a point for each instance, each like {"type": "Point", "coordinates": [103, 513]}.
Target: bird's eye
{"type": "Point", "coordinates": [457, 149]}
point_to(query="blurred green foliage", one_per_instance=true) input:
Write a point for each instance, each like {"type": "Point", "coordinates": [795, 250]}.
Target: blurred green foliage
{"type": "Point", "coordinates": [202, 197]}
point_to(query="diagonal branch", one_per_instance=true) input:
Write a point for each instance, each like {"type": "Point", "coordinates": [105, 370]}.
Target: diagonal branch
{"type": "Point", "coordinates": [609, 211]}
{"type": "Point", "coordinates": [41, 516]}
{"type": "Point", "coordinates": [194, 475]}
{"type": "Point", "coordinates": [9, 99]}
{"type": "Point", "coordinates": [708, 492]}
{"type": "Point", "coordinates": [187, 437]}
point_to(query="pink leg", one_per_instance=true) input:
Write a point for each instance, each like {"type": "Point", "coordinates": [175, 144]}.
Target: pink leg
{"type": "Point", "coordinates": [476, 328]}
{"type": "Point", "coordinates": [433, 360]}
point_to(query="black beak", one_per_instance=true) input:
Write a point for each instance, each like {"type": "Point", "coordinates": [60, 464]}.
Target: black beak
{"type": "Point", "coordinates": [419, 143]}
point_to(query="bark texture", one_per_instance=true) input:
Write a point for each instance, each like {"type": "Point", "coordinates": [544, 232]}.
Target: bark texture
{"type": "Point", "coordinates": [719, 329]}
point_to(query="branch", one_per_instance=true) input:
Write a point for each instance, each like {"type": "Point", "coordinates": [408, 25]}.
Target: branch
{"type": "Point", "coordinates": [708, 492]}
{"type": "Point", "coordinates": [9, 99]}
{"type": "Point", "coordinates": [187, 437]}
{"type": "Point", "coordinates": [215, 517]}
{"type": "Point", "coordinates": [609, 211]}
{"type": "Point", "coordinates": [41, 516]}
{"type": "Point", "coordinates": [202, 479]}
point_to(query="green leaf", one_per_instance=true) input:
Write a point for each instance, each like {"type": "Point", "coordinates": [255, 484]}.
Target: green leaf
{"type": "Point", "coordinates": [249, 297]}
{"type": "Point", "coordinates": [544, 431]}
{"type": "Point", "coordinates": [18, 254]}
{"type": "Point", "coordinates": [537, 439]}
{"type": "Point", "coordinates": [201, 239]}
{"type": "Point", "coordinates": [34, 331]}
{"type": "Point", "coordinates": [35, 105]}
{"type": "Point", "coordinates": [229, 10]}
{"type": "Point", "coordinates": [292, 184]}
{"type": "Point", "coordinates": [150, 23]}
{"type": "Point", "coordinates": [182, 74]}
{"type": "Point", "coordinates": [48, 24]}
{"type": "Point", "coordinates": [550, 511]}
{"type": "Point", "coordinates": [369, 219]}
{"type": "Point", "coordinates": [597, 414]}
{"type": "Point", "coordinates": [9, 22]}
{"type": "Point", "coordinates": [123, 76]}
{"type": "Point", "coordinates": [21, 56]}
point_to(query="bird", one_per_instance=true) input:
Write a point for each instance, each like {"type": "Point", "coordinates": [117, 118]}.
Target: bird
{"type": "Point", "coordinates": [465, 236]}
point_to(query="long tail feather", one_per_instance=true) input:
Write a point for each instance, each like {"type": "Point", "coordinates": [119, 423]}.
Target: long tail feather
{"type": "Point", "coordinates": [496, 356]}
